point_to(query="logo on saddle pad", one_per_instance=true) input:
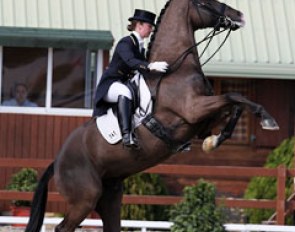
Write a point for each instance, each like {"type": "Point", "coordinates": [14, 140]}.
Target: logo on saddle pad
{"type": "Point", "coordinates": [108, 124]}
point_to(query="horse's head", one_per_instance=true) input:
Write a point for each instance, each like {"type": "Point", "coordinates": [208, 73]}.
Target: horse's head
{"type": "Point", "coordinates": [212, 13]}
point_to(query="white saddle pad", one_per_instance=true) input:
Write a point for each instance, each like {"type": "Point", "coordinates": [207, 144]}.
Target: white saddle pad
{"type": "Point", "coordinates": [108, 124]}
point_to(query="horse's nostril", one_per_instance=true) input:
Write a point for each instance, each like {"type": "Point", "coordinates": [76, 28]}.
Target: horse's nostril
{"type": "Point", "coordinates": [239, 13]}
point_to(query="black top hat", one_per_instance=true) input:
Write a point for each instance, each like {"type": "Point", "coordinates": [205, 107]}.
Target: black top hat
{"type": "Point", "coordinates": [144, 16]}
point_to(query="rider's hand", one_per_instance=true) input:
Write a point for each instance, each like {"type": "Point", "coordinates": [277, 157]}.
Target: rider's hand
{"type": "Point", "coordinates": [159, 66]}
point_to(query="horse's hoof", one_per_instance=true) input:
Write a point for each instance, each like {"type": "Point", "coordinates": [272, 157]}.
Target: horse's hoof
{"type": "Point", "coordinates": [269, 124]}
{"type": "Point", "coordinates": [210, 143]}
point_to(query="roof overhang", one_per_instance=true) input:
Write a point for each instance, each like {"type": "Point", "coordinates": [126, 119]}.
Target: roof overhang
{"type": "Point", "coordinates": [56, 38]}
{"type": "Point", "coordinates": [250, 70]}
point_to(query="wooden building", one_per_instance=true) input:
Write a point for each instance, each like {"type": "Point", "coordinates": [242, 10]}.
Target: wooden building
{"type": "Point", "coordinates": [60, 69]}
{"type": "Point", "coordinates": [60, 48]}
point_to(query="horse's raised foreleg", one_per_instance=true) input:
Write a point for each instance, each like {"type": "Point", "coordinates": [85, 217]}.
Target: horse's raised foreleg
{"type": "Point", "coordinates": [267, 121]}
{"type": "Point", "coordinates": [213, 141]}
{"type": "Point", "coordinates": [202, 107]}
{"type": "Point", "coordinates": [205, 106]}
{"type": "Point", "coordinates": [109, 205]}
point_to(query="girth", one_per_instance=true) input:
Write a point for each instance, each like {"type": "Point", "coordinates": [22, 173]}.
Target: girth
{"type": "Point", "coordinates": [157, 129]}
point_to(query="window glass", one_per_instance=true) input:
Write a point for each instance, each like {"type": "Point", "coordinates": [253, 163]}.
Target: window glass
{"type": "Point", "coordinates": [24, 76]}
{"type": "Point", "coordinates": [73, 78]}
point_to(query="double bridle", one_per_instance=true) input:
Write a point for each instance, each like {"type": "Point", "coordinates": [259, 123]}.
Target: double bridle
{"type": "Point", "coordinates": [222, 21]}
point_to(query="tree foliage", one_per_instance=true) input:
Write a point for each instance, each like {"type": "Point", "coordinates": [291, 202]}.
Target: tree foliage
{"type": "Point", "coordinates": [265, 187]}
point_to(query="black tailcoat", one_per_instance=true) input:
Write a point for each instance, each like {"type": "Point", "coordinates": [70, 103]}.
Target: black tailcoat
{"type": "Point", "coordinates": [126, 59]}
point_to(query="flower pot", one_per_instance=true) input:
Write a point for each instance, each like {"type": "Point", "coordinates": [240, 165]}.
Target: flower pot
{"type": "Point", "coordinates": [20, 211]}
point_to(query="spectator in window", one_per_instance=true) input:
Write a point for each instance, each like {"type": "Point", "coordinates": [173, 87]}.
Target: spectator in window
{"type": "Point", "coordinates": [20, 97]}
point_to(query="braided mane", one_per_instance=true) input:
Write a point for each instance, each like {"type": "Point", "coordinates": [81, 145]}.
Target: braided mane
{"type": "Point", "coordinates": [156, 27]}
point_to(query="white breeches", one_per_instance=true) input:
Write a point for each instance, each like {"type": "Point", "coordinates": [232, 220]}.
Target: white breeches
{"type": "Point", "coordinates": [115, 90]}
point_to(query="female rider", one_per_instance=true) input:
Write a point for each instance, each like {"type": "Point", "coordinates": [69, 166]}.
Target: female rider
{"type": "Point", "coordinates": [127, 58]}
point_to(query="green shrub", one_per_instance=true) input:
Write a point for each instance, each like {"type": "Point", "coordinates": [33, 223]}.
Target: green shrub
{"type": "Point", "coordinates": [24, 180]}
{"type": "Point", "coordinates": [265, 187]}
{"type": "Point", "coordinates": [197, 212]}
{"type": "Point", "coordinates": [145, 184]}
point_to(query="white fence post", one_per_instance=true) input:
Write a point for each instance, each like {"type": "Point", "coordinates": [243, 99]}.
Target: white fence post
{"type": "Point", "coordinates": [43, 229]}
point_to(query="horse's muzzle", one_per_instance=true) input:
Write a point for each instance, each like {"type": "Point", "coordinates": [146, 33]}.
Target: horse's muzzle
{"type": "Point", "coordinates": [228, 23]}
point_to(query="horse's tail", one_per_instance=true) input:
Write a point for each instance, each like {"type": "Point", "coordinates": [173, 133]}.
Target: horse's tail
{"type": "Point", "coordinates": [39, 201]}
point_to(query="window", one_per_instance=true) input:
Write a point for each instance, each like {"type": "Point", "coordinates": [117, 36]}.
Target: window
{"type": "Point", "coordinates": [55, 70]}
{"type": "Point", "coordinates": [53, 78]}
{"type": "Point", "coordinates": [26, 66]}
{"type": "Point", "coordinates": [73, 79]}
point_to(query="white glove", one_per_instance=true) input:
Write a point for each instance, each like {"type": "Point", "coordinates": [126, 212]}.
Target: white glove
{"type": "Point", "coordinates": [160, 66]}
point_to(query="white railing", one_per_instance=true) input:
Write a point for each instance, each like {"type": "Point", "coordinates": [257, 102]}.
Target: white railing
{"type": "Point", "coordinates": [145, 225]}
{"type": "Point", "coordinates": [258, 227]}
{"type": "Point", "coordinates": [142, 225]}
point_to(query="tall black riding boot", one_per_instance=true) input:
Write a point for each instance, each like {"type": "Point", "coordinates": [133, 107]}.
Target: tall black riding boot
{"type": "Point", "coordinates": [124, 117]}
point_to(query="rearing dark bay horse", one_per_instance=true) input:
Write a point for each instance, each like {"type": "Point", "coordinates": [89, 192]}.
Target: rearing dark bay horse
{"type": "Point", "coordinates": [89, 172]}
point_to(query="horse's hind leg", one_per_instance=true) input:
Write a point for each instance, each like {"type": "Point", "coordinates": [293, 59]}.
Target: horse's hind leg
{"type": "Point", "coordinates": [82, 191]}
{"type": "Point", "coordinates": [77, 212]}
{"type": "Point", "coordinates": [109, 205]}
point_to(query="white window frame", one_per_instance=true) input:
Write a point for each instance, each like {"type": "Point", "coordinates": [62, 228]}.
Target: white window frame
{"type": "Point", "coordinates": [48, 110]}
